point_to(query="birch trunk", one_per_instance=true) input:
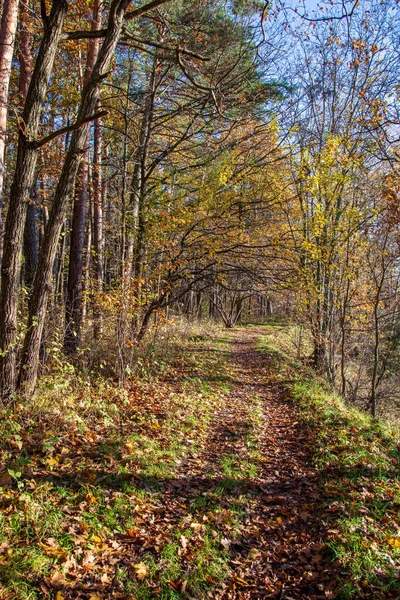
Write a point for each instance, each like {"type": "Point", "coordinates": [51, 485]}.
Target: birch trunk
{"type": "Point", "coordinates": [8, 27]}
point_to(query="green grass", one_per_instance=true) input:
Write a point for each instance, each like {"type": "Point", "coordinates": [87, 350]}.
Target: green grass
{"type": "Point", "coordinates": [90, 468]}
{"type": "Point", "coordinates": [358, 462]}
{"type": "Point", "coordinates": [237, 468]}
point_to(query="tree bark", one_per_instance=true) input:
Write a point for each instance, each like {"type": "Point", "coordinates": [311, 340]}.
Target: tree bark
{"type": "Point", "coordinates": [87, 257]}
{"type": "Point", "coordinates": [64, 189]}
{"type": "Point", "coordinates": [8, 27]}
{"type": "Point", "coordinates": [73, 307]}
{"type": "Point", "coordinates": [30, 243]}
{"type": "Point", "coordinates": [19, 194]}
{"type": "Point", "coordinates": [25, 74]}
{"type": "Point", "coordinates": [136, 241]}
{"type": "Point", "coordinates": [98, 242]}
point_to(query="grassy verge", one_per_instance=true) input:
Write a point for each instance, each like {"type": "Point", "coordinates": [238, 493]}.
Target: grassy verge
{"type": "Point", "coordinates": [85, 480]}
{"type": "Point", "coordinates": [358, 461]}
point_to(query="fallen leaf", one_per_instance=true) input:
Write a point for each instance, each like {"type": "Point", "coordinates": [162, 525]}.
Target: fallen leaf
{"type": "Point", "coordinates": [254, 554]}
{"type": "Point", "coordinates": [141, 571]}
{"type": "Point", "coordinates": [90, 498]}
{"type": "Point", "coordinates": [184, 542]}
{"type": "Point", "coordinates": [54, 551]}
{"type": "Point", "coordinates": [5, 479]}
{"type": "Point", "coordinates": [197, 527]}
{"type": "Point", "coordinates": [132, 532]}
{"type": "Point", "coordinates": [57, 579]}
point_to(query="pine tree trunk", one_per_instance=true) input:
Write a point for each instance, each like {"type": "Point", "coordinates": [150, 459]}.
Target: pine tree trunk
{"type": "Point", "coordinates": [25, 74]}
{"type": "Point", "coordinates": [73, 307]}
{"type": "Point", "coordinates": [138, 195]}
{"type": "Point", "coordinates": [86, 273]}
{"type": "Point", "coordinates": [19, 194]}
{"type": "Point", "coordinates": [30, 244]}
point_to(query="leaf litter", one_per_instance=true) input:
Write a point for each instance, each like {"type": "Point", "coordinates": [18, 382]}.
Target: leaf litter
{"type": "Point", "coordinates": [194, 486]}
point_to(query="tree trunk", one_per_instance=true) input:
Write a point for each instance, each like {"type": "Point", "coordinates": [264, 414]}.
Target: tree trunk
{"type": "Point", "coordinates": [139, 174]}
{"type": "Point", "coordinates": [136, 244]}
{"type": "Point", "coordinates": [30, 243]}
{"type": "Point", "coordinates": [98, 242]}
{"type": "Point", "coordinates": [64, 189]}
{"type": "Point", "coordinates": [19, 194]}
{"type": "Point", "coordinates": [73, 306]}
{"type": "Point", "coordinates": [8, 28]}
{"type": "Point", "coordinates": [86, 272]}
{"type": "Point", "coordinates": [25, 74]}
{"type": "Point", "coordinates": [376, 358]}
{"type": "Point", "coordinates": [319, 353]}
{"type": "Point", "coordinates": [59, 272]}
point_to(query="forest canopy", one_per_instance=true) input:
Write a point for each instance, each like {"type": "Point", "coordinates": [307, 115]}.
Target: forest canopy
{"type": "Point", "coordinates": [213, 159]}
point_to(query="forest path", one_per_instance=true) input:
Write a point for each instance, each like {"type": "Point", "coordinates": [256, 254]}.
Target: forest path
{"type": "Point", "coordinates": [280, 551]}
{"type": "Point", "coordinates": [254, 484]}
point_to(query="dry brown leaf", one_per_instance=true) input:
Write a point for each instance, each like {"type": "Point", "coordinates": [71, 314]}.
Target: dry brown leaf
{"type": "Point", "coordinates": [54, 551]}
{"type": "Point", "coordinates": [5, 479]}
{"type": "Point", "coordinates": [197, 527]}
{"type": "Point", "coordinates": [254, 554]}
{"type": "Point", "coordinates": [184, 542]}
{"type": "Point", "coordinates": [226, 543]}
{"type": "Point", "coordinates": [57, 579]}
{"type": "Point", "coordinates": [141, 570]}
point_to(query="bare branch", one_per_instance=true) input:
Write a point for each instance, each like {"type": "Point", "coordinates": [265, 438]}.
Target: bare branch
{"type": "Point", "coordinates": [67, 129]}
{"type": "Point", "coordinates": [345, 14]}
{"type": "Point", "coordinates": [196, 84]}
{"type": "Point", "coordinates": [87, 35]}
{"type": "Point", "coordinates": [130, 36]}
{"type": "Point", "coordinates": [84, 35]}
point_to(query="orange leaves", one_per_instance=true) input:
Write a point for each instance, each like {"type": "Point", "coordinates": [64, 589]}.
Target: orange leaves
{"type": "Point", "coordinates": [52, 549]}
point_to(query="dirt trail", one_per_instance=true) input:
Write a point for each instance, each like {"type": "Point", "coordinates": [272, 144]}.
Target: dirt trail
{"type": "Point", "coordinates": [283, 533]}
{"type": "Point", "coordinates": [279, 551]}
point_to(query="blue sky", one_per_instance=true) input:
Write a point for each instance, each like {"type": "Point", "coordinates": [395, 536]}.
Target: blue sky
{"type": "Point", "coordinates": [309, 4]}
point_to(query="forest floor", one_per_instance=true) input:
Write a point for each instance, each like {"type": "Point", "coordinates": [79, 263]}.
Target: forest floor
{"type": "Point", "coordinates": [232, 477]}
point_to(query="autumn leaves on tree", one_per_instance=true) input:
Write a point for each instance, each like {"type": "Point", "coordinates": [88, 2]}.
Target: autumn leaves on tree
{"type": "Point", "coordinates": [220, 160]}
